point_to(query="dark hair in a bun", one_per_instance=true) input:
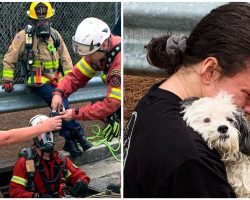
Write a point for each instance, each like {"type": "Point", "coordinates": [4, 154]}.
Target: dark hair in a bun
{"type": "Point", "coordinates": [224, 34]}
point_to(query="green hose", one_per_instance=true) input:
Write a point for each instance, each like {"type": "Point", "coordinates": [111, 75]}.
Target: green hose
{"type": "Point", "coordinates": [101, 139]}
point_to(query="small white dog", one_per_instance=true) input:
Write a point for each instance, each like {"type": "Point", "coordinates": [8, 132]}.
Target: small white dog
{"type": "Point", "coordinates": [224, 128]}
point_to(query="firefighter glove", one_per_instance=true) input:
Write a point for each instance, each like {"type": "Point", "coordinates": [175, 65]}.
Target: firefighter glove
{"type": "Point", "coordinates": [7, 86]}
{"type": "Point", "coordinates": [81, 188]}
{"type": "Point", "coordinates": [112, 129]}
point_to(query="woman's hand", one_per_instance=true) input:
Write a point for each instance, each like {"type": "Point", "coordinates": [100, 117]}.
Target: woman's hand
{"type": "Point", "coordinates": [51, 124]}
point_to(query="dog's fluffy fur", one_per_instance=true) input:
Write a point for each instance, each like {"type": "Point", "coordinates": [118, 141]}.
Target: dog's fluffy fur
{"type": "Point", "coordinates": [224, 128]}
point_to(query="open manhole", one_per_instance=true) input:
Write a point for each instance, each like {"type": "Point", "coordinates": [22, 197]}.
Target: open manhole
{"type": "Point", "coordinates": [5, 193]}
{"type": "Point", "coordinates": [92, 193]}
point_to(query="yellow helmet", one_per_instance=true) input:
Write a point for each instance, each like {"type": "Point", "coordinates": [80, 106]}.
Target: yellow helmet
{"type": "Point", "coordinates": [40, 10]}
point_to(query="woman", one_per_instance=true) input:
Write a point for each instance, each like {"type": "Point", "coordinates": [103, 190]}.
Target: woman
{"type": "Point", "coordinates": [164, 157]}
{"type": "Point", "coordinates": [23, 134]}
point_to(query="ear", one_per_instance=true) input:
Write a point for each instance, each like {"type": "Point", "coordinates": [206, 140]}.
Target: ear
{"type": "Point", "coordinates": [209, 70]}
{"type": "Point", "coordinates": [244, 137]}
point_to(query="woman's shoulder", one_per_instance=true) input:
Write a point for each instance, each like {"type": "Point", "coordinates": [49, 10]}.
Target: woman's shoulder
{"type": "Point", "coordinates": [158, 101]}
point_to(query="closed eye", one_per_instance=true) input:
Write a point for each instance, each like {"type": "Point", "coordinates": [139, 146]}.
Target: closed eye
{"type": "Point", "coordinates": [207, 120]}
{"type": "Point", "coordinates": [230, 119]}
{"type": "Point", "coordinates": [246, 93]}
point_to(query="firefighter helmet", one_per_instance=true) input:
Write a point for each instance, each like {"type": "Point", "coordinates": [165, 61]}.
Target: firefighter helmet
{"type": "Point", "coordinates": [40, 10]}
{"type": "Point", "coordinates": [45, 141]}
{"type": "Point", "coordinates": [89, 36]}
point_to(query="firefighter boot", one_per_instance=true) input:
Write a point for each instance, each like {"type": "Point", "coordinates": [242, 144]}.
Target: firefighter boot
{"type": "Point", "coordinates": [81, 139]}
{"type": "Point", "coordinates": [70, 145]}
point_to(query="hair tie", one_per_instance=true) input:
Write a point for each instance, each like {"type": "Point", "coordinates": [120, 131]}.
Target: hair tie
{"type": "Point", "coordinates": [175, 43]}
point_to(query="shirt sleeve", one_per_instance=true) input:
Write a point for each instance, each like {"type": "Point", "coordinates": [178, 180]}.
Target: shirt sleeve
{"type": "Point", "coordinates": [194, 179]}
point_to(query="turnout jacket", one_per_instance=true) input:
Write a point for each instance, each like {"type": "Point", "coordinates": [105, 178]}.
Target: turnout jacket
{"type": "Point", "coordinates": [19, 179]}
{"type": "Point", "coordinates": [82, 72]}
{"type": "Point", "coordinates": [43, 58]}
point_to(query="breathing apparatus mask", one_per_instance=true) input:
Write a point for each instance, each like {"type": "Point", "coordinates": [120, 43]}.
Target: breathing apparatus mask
{"type": "Point", "coordinates": [42, 28]}
{"type": "Point", "coordinates": [45, 141]}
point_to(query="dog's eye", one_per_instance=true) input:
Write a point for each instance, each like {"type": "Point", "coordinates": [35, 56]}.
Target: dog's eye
{"type": "Point", "coordinates": [206, 120]}
{"type": "Point", "coordinates": [230, 120]}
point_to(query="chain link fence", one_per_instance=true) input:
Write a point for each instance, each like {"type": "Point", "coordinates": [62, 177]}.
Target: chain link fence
{"type": "Point", "coordinates": [68, 15]}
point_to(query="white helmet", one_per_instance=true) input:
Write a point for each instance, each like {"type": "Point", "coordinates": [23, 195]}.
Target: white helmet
{"type": "Point", "coordinates": [89, 36]}
{"type": "Point", "coordinates": [45, 141]}
{"type": "Point", "coordinates": [36, 119]}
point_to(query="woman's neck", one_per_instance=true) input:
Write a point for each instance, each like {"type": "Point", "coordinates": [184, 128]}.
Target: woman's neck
{"type": "Point", "coordinates": [184, 83]}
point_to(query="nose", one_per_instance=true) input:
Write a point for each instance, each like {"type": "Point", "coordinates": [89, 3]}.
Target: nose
{"type": "Point", "coordinates": [247, 110]}
{"type": "Point", "coordinates": [222, 129]}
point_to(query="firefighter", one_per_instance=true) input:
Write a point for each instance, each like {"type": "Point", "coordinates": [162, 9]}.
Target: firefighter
{"type": "Point", "coordinates": [46, 59]}
{"type": "Point", "coordinates": [43, 172]}
{"type": "Point", "coordinates": [100, 51]}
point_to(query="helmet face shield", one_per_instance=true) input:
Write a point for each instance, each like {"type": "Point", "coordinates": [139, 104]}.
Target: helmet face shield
{"type": "Point", "coordinates": [82, 49]}
{"type": "Point", "coordinates": [90, 35]}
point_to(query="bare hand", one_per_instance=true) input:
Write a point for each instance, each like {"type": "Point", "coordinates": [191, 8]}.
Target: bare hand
{"type": "Point", "coordinates": [66, 115]}
{"type": "Point", "coordinates": [51, 124]}
{"type": "Point", "coordinates": [56, 103]}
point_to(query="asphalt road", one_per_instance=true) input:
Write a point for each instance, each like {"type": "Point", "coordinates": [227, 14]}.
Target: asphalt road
{"type": "Point", "coordinates": [103, 172]}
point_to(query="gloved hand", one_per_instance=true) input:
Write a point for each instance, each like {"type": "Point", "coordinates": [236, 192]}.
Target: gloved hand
{"type": "Point", "coordinates": [81, 187]}
{"type": "Point", "coordinates": [7, 86]}
{"type": "Point", "coordinates": [56, 102]}
{"type": "Point", "coordinates": [44, 196]}
{"type": "Point", "coordinates": [113, 128]}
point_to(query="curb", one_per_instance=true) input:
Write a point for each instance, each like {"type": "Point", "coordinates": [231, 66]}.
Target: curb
{"type": "Point", "coordinates": [95, 153]}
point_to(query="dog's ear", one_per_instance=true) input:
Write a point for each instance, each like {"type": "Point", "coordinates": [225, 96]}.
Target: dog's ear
{"type": "Point", "coordinates": [244, 137]}
{"type": "Point", "coordinates": [187, 102]}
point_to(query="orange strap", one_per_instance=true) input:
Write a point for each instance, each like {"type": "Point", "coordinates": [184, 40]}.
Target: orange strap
{"type": "Point", "coordinates": [38, 75]}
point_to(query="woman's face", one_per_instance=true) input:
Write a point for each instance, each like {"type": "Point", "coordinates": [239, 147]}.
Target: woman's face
{"type": "Point", "coordinates": [239, 87]}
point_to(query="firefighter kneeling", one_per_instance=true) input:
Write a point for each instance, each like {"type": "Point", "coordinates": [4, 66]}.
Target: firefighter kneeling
{"type": "Point", "coordinates": [42, 172]}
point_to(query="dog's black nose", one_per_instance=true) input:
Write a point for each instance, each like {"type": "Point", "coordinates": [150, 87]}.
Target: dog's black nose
{"type": "Point", "coordinates": [222, 129]}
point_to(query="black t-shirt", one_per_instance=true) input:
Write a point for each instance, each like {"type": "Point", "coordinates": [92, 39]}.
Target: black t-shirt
{"type": "Point", "coordinates": [165, 158]}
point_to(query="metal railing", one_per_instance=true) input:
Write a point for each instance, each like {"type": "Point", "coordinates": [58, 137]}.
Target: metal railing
{"type": "Point", "coordinates": [142, 21]}
{"type": "Point", "coordinates": [22, 99]}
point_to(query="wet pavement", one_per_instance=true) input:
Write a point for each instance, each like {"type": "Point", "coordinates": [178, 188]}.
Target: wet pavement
{"type": "Point", "coordinates": [103, 172]}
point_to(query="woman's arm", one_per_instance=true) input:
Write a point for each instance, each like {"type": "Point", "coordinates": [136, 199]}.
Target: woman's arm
{"type": "Point", "coordinates": [23, 134]}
